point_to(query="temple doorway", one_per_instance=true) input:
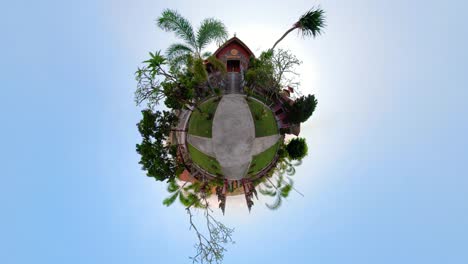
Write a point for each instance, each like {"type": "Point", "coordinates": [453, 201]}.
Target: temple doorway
{"type": "Point", "coordinates": [233, 66]}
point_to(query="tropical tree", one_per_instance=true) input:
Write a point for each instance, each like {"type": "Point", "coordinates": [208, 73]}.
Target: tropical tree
{"type": "Point", "coordinates": [158, 158]}
{"type": "Point", "coordinates": [280, 183]}
{"type": "Point", "coordinates": [309, 24]}
{"type": "Point", "coordinates": [284, 65]}
{"type": "Point", "coordinates": [210, 30]}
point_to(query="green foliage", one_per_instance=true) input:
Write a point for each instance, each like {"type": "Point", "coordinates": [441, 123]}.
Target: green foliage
{"type": "Point", "coordinates": [312, 22]}
{"type": "Point", "coordinates": [177, 50]}
{"type": "Point", "coordinates": [309, 24]}
{"type": "Point", "coordinates": [157, 158]}
{"type": "Point", "coordinates": [302, 109]}
{"type": "Point", "coordinates": [148, 84]}
{"type": "Point", "coordinates": [155, 62]}
{"type": "Point", "coordinates": [286, 190]}
{"type": "Point", "coordinates": [172, 186]}
{"type": "Point", "coordinates": [297, 148]}
{"type": "Point", "coordinates": [217, 64]}
{"type": "Point", "coordinates": [276, 204]}
{"type": "Point", "coordinates": [172, 21]}
{"type": "Point", "coordinates": [170, 200]}
{"type": "Point", "coordinates": [211, 30]}
{"type": "Point", "coordinates": [260, 75]}
{"type": "Point", "coordinates": [267, 192]}
{"type": "Point", "coordinates": [199, 71]}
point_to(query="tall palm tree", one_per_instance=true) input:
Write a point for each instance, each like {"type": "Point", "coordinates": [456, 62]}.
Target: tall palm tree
{"type": "Point", "coordinates": [284, 183]}
{"type": "Point", "coordinates": [210, 30]}
{"type": "Point", "coordinates": [309, 24]}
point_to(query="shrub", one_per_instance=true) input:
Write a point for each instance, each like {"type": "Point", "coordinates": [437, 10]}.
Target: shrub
{"type": "Point", "coordinates": [297, 148]}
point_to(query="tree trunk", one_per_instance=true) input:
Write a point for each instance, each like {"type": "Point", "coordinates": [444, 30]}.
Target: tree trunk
{"type": "Point", "coordinates": [282, 37]}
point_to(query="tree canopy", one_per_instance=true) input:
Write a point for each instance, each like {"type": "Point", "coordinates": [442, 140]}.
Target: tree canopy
{"type": "Point", "coordinates": [302, 109]}
{"type": "Point", "coordinates": [158, 158]}
{"type": "Point", "coordinates": [297, 148]}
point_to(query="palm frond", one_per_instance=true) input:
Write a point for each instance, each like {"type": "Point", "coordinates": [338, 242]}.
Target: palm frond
{"type": "Point", "coordinates": [178, 63]}
{"type": "Point", "coordinates": [312, 22]}
{"type": "Point", "coordinates": [211, 30]}
{"type": "Point", "coordinates": [171, 20]}
{"type": "Point", "coordinates": [177, 50]}
{"type": "Point", "coordinates": [206, 54]}
{"type": "Point", "coordinates": [267, 185]}
{"type": "Point", "coordinates": [290, 171]}
{"type": "Point", "coordinates": [172, 187]}
{"type": "Point", "coordinates": [297, 163]}
{"type": "Point", "coordinates": [185, 200]}
{"type": "Point", "coordinates": [276, 204]}
{"type": "Point", "coordinates": [170, 200]}
{"type": "Point", "coordinates": [271, 193]}
{"type": "Point", "coordinates": [285, 191]}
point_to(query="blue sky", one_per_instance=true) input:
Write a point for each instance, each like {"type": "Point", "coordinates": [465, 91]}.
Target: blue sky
{"type": "Point", "coordinates": [385, 180]}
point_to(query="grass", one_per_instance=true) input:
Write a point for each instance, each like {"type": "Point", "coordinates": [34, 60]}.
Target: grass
{"type": "Point", "coordinates": [262, 160]}
{"type": "Point", "coordinates": [265, 123]}
{"type": "Point", "coordinates": [264, 99]}
{"type": "Point", "coordinates": [199, 125]}
{"type": "Point", "coordinates": [205, 162]}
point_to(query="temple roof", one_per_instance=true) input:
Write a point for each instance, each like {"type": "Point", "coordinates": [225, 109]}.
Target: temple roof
{"type": "Point", "coordinates": [234, 40]}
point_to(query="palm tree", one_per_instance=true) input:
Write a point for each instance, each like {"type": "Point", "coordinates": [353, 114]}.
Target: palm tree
{"type": "Point", "coordinates": [310, 24]}
{"type": "Point", "coordinates": [210, 30]}
{"type": "Point", "coordinates": [285, 169]}
{"type": "Point", "coordinates": [191, 51]}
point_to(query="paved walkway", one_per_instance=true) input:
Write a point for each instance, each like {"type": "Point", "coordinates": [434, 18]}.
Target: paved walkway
{"type": "Point", "coordinates": [201, 143]}
{"type": "Point", "coordinates": [233, 135]}
{"type": "Point", "coordinates": [263, 143]}
{"type": "Point", "coordinates": [233, 143]}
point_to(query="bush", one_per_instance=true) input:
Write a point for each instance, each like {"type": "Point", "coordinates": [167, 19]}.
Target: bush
{"type": "Point", "coordinates": [302, 109]}
{"type": "Point", "coordinates": [297, 148]}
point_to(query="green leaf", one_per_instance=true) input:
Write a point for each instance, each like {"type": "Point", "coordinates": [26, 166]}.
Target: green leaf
{"type": "Point", "coordinates": [172, 186]}
{"type": "Point", "coordinates": [211, 30]}
{"type": "Point", "coordinates": [172, 21]}
{"type": "Point", "coordinates": [276, 204]}
{"type": "Point", "coordinates": [271, 193]}
{"type": "Point", "coordinates": [184, 200]}
{"type": "Point", "coordinates": [286, 190]}
{"type": "Point", "coordinates": [170, 200]}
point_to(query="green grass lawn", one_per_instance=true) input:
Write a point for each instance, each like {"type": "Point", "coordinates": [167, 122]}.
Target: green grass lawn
{"type": "Point", "coordinates": [265, 123]}
{"type": "Point", "coordinates": [199, 125]}
{"type": "Point", "coordinates": [262, 160]}
{"type": "Point", "coordinates": [205, 162]}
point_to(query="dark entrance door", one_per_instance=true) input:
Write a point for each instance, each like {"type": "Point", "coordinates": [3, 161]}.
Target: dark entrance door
{"type": "Point", "coordinates": [233, 66]}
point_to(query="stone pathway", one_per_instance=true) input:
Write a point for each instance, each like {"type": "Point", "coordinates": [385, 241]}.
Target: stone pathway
{"type": "Point", "coordinates": [233, 143]}
{"type": "Point", "coordinates": [201, 143]}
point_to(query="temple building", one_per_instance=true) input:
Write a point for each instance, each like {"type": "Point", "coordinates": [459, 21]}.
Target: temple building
{"type": "Point", "coordinates": [236, 56]}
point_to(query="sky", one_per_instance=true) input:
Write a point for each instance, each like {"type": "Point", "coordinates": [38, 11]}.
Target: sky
{"type": "Point", "coordinates": [385, 180]}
